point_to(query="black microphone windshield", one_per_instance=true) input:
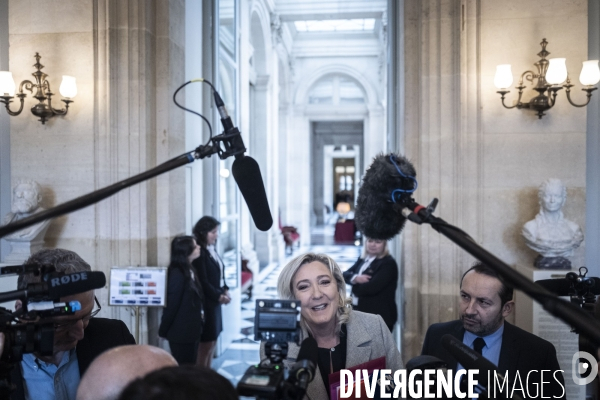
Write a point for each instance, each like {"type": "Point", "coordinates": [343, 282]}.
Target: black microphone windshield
{"type": "Point", "coordinates": [466, 356]}
{"type": "Point", "coordinates": [247, 175]}
{"type": "Point", "coordinates": [62, 285]}
{"type": "Point", "coordinates": [306, 362]}
{"type": "Point", "coordinates": [309, 350]}
{"type": "Point", "coordinates": [389, 176]}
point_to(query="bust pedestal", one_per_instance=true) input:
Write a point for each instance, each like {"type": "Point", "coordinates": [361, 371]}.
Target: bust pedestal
{"type": "Point", "coordinates": [23, 247]}
{"type": "Point", "coordinates": [530, 316]}
{"type": "Point", "coordinates": [7, 284]}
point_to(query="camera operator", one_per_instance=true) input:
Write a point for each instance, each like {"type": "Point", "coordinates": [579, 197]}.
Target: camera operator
{"type": "Point", "coordinates": [78, 338]}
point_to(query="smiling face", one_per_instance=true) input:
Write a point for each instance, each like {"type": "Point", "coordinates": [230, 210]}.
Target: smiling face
{"type": "Point", "coordinates": [481, 310]}
{"type": "Point", "coordinates": [317, 291]}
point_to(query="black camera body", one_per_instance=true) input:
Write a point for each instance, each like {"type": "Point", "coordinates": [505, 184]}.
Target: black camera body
{"type": "Point", "coordinates": [28, 329]}
{"type": "Point", "coordinates": [276, 323]}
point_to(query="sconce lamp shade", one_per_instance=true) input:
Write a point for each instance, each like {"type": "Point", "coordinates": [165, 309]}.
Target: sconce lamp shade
{"type": "Point", "coordinates": [503, 78]}
{"type": "Point", "coordinates": [590, 73]}
{"type": "Point", "coordinates": [7, 84]}
{"type": "Point", "coordinates": [557, 71]}
{"type": "Point", "coordinates": [224, 172]}
{"type": "Point", "coordinates": [68, 87]}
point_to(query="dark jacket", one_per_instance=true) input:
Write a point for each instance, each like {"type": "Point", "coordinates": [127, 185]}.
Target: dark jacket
{"type": "Point", "coordinates": [209, 272]}
{"type": "Point", "coordinates": [378, 296]}
{"type": "Point", "coordinates": [100, 335]}
{"type": "Point", "coordinates": [183, 317]}
{"type": "Point", "coordinates": [521, 351]}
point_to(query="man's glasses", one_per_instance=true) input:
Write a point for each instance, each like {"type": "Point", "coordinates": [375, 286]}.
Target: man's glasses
{"type": "Point", "coordinates": [63, 326]}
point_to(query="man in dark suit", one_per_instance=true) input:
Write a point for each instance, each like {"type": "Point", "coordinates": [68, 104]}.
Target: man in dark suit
{"type": "Point", "coordinates": [78, 338]}
{"type": "Point", "coordinates": [485, 302]}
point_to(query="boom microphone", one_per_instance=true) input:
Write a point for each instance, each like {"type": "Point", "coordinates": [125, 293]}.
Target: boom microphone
{"type": "Point", "coordinates": [390, 180]}
{"type": "Point", "coordinates": [471, 360]}
{"type": "Point", "coordinates": [59, 285]}
{"type": "Point", "coordinates": [245, 170]}
{"type": "Point", "coordinates": [62, 285]}
{"type": "Point", "coordinates": [247, 175]}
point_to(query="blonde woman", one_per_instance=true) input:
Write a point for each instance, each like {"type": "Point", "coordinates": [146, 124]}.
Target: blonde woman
{"type": "Point", "coordinates": [345, 337]}
{"type": "Point", "coordinates": [374, 278]}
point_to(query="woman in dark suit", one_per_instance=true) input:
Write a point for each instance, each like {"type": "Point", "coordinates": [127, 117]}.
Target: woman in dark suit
{"type": "Point", "coordinates": [182, 318]}
{"type": "Point", "coordinates": [345, 338]}
{"type": "Point", "coordinates": [374, 278]}
{"type": "Point", "coordinates": [209, 267]}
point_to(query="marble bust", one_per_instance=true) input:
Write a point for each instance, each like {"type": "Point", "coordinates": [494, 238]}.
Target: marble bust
{"type": "Point", "coordinates": [550, 234]}
{"type": "Point", "coordinates": [27, 195]}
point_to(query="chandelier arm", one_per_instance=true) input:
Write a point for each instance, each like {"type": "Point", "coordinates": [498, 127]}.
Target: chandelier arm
{"type": "Point", "coordinates": [528, 75]}
{"type": "Point", "coordinates": [49, 94]}
{"type": "Point", "coordinates": [61, 111]}
{"type": "Point", "coordinates": [27, 85]}
{"type": "Point", "coordinates": [503, 92]}
{"type": "Point", "coordinates": [552, 100]}
{"type": "Point", "coordinates": [8, 99]}
{"type": "Point", "coordinates": [552, 91]}
{"type": "Point", "coordinates": [589, 96]}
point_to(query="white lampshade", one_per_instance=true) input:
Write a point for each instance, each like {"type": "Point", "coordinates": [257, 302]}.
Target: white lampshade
{"type": "Point", "coordinates": [503, 78]}
{"type": "Point", "coordinates": [68, 87]}
{"type": "Point", "coordinates": [7, 84]}
{"type": "Point", "coordinates": [557, 71]}
{"type": "Point", "coordinates": [590, 73]}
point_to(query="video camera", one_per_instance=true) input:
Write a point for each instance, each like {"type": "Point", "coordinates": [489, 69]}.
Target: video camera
{"type": "Point", "coordinates": [30, 329]}
{"type": "Point", "coordinates": [582, 290]}
{"type": "Point", "coordinates": [276, 323]}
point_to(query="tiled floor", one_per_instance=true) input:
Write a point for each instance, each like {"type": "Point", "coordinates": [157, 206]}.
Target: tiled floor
{"type": "Point", "coordinates": [244, 351]}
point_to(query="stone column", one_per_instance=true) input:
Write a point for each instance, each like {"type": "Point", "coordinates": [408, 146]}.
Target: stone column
{"type": "Point", "coordinates": [128, 59]}
{"type": "Point", "coordinates": [141, 63]}
{"type": "Point", "coordinates": [263, 145]}
{"type": "Point", "coordinates": [298, 151]}
{"type": "Point", "coordinates": [431, 264]}
{"type": "Point", "coordinates": [482, 161]}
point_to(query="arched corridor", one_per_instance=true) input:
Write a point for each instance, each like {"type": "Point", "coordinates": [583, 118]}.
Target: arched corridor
{"type": "Point", "coordinates": [317, 88]}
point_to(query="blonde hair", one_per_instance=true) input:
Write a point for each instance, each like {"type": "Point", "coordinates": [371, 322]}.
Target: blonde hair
{"type": "Point", "coordinates": [385, 252]}
{"type": "Point", "coordinates": [286, 291]}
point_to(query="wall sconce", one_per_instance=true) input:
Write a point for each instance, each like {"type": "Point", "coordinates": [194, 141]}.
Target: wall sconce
{"type": "Point", "coordinates": [43, 110]}
{"type": "Point", "coordinates": [550, 75]}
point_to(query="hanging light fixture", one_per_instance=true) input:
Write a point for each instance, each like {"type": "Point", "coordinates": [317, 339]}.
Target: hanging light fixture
{"type": "Point", "coordinates": [550, 76]}
{"type": "Point", "coordinates": [44, 109]}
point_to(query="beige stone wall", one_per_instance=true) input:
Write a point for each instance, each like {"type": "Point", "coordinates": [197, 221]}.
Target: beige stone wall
{"type": "Point", "coordinates": [128, 58]}
{"type": "Point", "coordinates": [482, 161]}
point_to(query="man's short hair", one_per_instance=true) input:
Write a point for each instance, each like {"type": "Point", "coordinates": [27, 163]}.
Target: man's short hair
{"type": "Point", "coordinates": [62, 260]}
{"type": "Point", "coordinates": [505, 293]}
